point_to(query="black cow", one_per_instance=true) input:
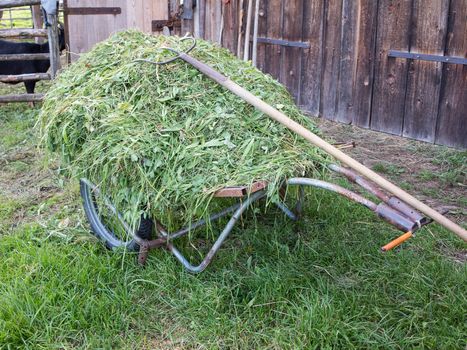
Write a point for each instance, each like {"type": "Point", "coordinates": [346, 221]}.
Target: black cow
{"type": "Point", "coordinates": [27, 66]}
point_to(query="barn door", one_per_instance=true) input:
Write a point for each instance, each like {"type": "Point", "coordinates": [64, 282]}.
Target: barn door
{"type": "Point", "coordinates": [91, 21]}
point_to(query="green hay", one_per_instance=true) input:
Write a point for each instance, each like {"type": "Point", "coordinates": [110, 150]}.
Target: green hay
{"type": "Point", "coordinates": [163, 139]}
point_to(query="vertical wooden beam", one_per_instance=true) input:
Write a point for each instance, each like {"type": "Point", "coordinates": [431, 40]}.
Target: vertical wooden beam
{"type": "Point", "coordinates": [187, 17]}
{"type": "Point", "coordinates": [54, 49]}
{"type": "Point", "coordinates": [229, 13]}
{"type": "Point", "coordinates": [348, 59]}
{"type": "Point", "coordinates": [452, 117]}
{"type": "Point", "coordinates": [262, 32]}
{"type": "Point", "coordinates": [202, 18]}
{"type": "Point", "coordinates": [274, 24]}
{"type": "Point", "coordinates": [331, 59]}
{"type": "Point", "coordinates": [364, 63]}
{"type": "Point", "coordinates": [291, 59]}
{"type": "Point", "coordinates": [313, 21]}
{"type": "Point", "coordinates": [37, 21]}
{"type": "Point", "coordinates": [389, 88]}
{"type": "Point", "coordinates": [424, 81]}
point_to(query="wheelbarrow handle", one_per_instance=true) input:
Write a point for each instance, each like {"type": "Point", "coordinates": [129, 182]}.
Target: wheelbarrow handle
{"type": "Point", "coordinates": [397, 242]}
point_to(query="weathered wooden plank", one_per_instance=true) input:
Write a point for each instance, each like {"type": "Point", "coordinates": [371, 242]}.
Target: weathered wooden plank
{"type": "Point", "coordinates": [24, 77]}
{"type": "Point", "coordinates": [207, 20]}
{"type": "Point", "coordinates": [262, 32]}
{"type": "Point", "coordinates": [429, 27]}
{"type": "Point", "coordinates": [21, 98]}
{"type": "Point", "coordinates": [274, 14]}
{"type": "Point", "coordinates": [18, 3]}
{"type": "Point", "coordinates": [332, 53]}
{"type": "Point", "coordinates": [23, 33]}
{"type": "Point", "coordinates": [201, 4]}
{"type": "Point", "coordinates": [365, 61]}
{"type": "Point", "coordinates": [212, 22]}
{"type": "Point", "coordinates": [25, 57]}
{"type": "Point", "coordinates": [187, 17]}
{"type": "Point", "coordinates": [37, 21]}
{"type": "Point", "coordinates": [313, 22]}
{"type": "Point", "coordinates": [348, 60]}
{"type": "Point", "coordinates": [393, 32]}
{"type": "Point", "coordinates": [452, 117]}
{"type": "Point", "coordinates": [291, 59]}
{"type": "Point", "coordinates": [82, 39]}
{"type": "Point", "coordinates": [54, 50]}
{"type": "Point", "coordinates": [229, 37]}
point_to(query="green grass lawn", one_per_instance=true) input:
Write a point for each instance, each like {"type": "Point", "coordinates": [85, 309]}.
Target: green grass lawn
{"type": "Point", "coordinates": [318, 284]}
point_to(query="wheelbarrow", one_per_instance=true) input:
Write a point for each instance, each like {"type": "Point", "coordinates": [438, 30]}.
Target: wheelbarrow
{"type": "Point", "coordinates": [401, 210]}
{"type": "Point", "coordinates": [97, 208]}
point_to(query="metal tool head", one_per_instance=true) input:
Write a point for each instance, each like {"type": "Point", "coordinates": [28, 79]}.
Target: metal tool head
{"type": "Point", "coordinates": [178, 53]}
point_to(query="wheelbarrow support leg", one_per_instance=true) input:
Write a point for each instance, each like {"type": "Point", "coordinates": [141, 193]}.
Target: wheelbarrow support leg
{"type": "Point", "coordinates": [220, 240]}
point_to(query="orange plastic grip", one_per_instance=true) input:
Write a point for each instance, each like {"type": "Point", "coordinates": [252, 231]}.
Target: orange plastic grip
{"type": "Point", "coordinates": [398, 241]}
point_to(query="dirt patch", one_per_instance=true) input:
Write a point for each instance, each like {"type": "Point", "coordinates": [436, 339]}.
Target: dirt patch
{"type": "Point", "coordinates": [434, 174]}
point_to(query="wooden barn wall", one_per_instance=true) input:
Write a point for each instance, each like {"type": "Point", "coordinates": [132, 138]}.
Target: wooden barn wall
{"type": "Point", "coordinates": [85, 31]}
{"type": "Point", "coordinates": [346, 75]}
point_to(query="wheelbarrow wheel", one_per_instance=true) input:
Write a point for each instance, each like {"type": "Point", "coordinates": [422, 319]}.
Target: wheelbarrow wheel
{"type": "Point", "coordinates": [105, 222]}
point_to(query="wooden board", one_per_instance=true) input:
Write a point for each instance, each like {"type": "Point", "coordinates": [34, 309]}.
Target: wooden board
{"type": "Point", "coordinates": [141, 13]}
{"type": "Point", "coordinates": [452, 117]}
{"type": "Point", "coordinates": [274, 24]}
{"type": "Point", "coordinates": [424, 79]}
{"type": "Point", "coordinates": [364, 64]}
{"type": "Point", "coordinates": [348, 60]}
{"type": "Point", "coordinates": [230, 31]}
{"type": "Point", "coordinates": [331, 59]}
{"type": "Point", "coordinates": [262, 32]}
{"type": "Point", "coordinates": [291, 59]}
{"type": "Point", "coordinates": [310, 91]}
{"type": "Point", "coordinates": [86, 31]}
{"type": "Point", "coordinates": [393, 32]}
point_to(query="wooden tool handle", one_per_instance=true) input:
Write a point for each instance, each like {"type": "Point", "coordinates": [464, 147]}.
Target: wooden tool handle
{"type": "Point", "coordinates": [397, 242]}
{"type": "Point", "coordinates": [325, 146]}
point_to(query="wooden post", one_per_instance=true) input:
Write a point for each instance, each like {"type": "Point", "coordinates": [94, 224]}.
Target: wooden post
{"type": "Point", "coordinates": [53, 44]}
{"type": "Point", "coordinates": [37, 21]}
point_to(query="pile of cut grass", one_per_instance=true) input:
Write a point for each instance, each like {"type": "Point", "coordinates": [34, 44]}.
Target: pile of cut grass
{"type": "Point", "coordinates": [163, 139]}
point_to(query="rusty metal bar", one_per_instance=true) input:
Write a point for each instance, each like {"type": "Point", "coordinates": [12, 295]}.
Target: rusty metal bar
{"type": "Point", "coordinates": [220, 240]}
{"type": "Point", "coordinates": [360, 180]}
{"type": "Point", "coordinates": [197, 224]}
{"type": "Point", "coordinates": [333, 188]}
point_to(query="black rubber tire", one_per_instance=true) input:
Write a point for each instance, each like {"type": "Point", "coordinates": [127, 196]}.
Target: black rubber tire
{"type": "Point", "coordinates": [99, 229]}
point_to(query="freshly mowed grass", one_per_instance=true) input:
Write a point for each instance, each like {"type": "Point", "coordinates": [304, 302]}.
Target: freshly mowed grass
{"type": "Point", "coordinates": [319, 283]}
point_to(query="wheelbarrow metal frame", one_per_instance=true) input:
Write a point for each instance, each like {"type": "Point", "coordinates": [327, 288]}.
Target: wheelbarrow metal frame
{"type": "Point", "coordinates": [391, 209]}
